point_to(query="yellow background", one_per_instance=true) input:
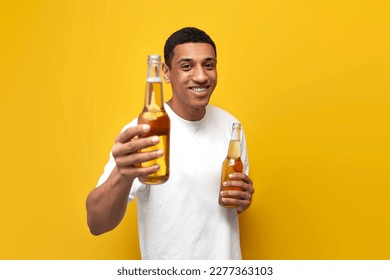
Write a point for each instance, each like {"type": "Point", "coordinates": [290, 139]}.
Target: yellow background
{"type": "Point", "coordinates": [309, 80]}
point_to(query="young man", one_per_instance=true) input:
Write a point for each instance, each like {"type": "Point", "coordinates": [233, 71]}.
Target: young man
{"type": "Point", "coordinates": [181, 218]}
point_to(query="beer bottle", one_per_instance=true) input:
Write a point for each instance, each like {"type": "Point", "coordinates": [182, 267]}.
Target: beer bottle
{"type": "Point", "coordinates": [155, 115]}
{"type": "Point", "coordinates": [232, 163]}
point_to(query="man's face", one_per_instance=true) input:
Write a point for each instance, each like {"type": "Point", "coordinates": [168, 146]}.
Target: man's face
{"type": "Point", "coordinates": [193, 76]}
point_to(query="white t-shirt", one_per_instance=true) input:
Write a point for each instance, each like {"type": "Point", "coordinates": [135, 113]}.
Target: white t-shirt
{"type": "Point", "coordinates": [181, 219]}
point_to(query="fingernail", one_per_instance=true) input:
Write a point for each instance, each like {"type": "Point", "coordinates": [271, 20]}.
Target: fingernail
{"type": "Point", "coordinates": [159, 153]}
{"type": "Point", "coordinates": [145, 128]}
{"type": "Point", "coordinates": [155, 139]}
{"type": "Point", "coordinates": [225, 184]}
{"type": "Point", "coordinates": [231, 175]}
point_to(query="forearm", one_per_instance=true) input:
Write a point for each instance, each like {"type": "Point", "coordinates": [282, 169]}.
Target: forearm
{"type": "Point", "coordinates": [106, 205]}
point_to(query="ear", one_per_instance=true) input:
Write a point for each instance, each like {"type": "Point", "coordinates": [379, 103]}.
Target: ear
{"type": "Point", "coordinates": [166, 73]}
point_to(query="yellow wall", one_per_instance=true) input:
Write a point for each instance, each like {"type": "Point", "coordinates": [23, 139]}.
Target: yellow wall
{"type": "Point", "coordinates": [310, 81]}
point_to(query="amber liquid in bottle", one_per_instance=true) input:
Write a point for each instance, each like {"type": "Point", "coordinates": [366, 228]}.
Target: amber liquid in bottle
{"type": "Point", "coordinates": [232, 163]}
{"type": "Point", "coordinates": [155, 115]}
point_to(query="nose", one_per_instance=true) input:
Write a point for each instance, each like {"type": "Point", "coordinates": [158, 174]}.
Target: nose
{"type": "Point", "coordinates": [199, 75]}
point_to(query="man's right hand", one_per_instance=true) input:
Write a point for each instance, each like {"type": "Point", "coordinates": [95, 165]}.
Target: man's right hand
{"type": "Point", "coordinates": [106, 205]}
{"type": "Point", "coordinates": [126, 152]}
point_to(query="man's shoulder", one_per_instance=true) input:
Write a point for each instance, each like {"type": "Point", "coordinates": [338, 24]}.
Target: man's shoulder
{"type": "Point", "coordinates": [218, 112]}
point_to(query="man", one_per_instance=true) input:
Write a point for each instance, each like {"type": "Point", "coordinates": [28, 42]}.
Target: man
{"type": "Point", "coordinates": [181, 218]}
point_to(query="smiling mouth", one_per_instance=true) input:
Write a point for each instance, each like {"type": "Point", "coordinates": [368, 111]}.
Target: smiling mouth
{"type": "Point", "coordinates": [199, 89]}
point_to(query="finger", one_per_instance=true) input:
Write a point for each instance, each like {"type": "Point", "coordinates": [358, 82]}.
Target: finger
{"type": "Point", "coordinates": [132, 132]}
{"type": "Point", "coordinates": [139, 171]}
{"type": "Point", "coordinates": [241, 176]}
{"type": "Point", "coordinates": [240, 195]}
{"type": "Point", "coordinates": [134, 146]}
{"type": "Point", "coordinates": [132, 159]}
{"type": "Point", "coordinates": [242, 208]}
{"type": "Point", "coordinates": [237, 184]}
{"type": "Point", "coordinates": [236, 202]}
{"type": "Point", "coordinates": [240, 180]}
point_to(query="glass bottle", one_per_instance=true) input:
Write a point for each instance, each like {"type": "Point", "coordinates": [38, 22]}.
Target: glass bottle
{"type": "Point", "coordinates": [155, 115]}
{"type": "Point", "coordinates": [232, 163]}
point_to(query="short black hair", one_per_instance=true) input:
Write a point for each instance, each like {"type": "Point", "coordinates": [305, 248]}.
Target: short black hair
{"type": "Point", "coordinates": [182, 36]}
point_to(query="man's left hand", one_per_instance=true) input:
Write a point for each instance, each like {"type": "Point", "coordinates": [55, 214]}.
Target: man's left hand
{"type": "Point", "coordinates": [242, 198]}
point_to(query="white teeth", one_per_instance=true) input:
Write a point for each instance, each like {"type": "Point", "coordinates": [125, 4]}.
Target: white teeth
{"type": "Point", "coordinates": [199, 89]}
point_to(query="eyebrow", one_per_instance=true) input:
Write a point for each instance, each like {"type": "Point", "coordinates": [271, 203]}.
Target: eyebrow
{"type": "Point", "coordinates": [190, 59]}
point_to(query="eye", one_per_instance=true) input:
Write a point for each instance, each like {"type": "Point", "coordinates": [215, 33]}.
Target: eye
{"type": "Point", "coordinates": [209, 66]}
{"type": "Point", "coordinates": [186, 67]}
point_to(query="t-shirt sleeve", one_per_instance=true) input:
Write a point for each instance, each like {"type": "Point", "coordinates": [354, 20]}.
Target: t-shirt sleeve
{"type": "Point", "coordinates": [244, 154]}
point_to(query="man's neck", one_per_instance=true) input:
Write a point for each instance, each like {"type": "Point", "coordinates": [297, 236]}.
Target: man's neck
{"type": "Point", "coordinates": [190, 114]}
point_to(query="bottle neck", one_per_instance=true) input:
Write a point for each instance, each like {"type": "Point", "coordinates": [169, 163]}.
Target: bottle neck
{"type": "Point", "coordinates": [154, 99]}
{"type": "Point", "coordinates": [235, 142]}
{"type": "Point", "coordinates": [153, 75]}
{"type": "Point", "coordinates": [236, 132]}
